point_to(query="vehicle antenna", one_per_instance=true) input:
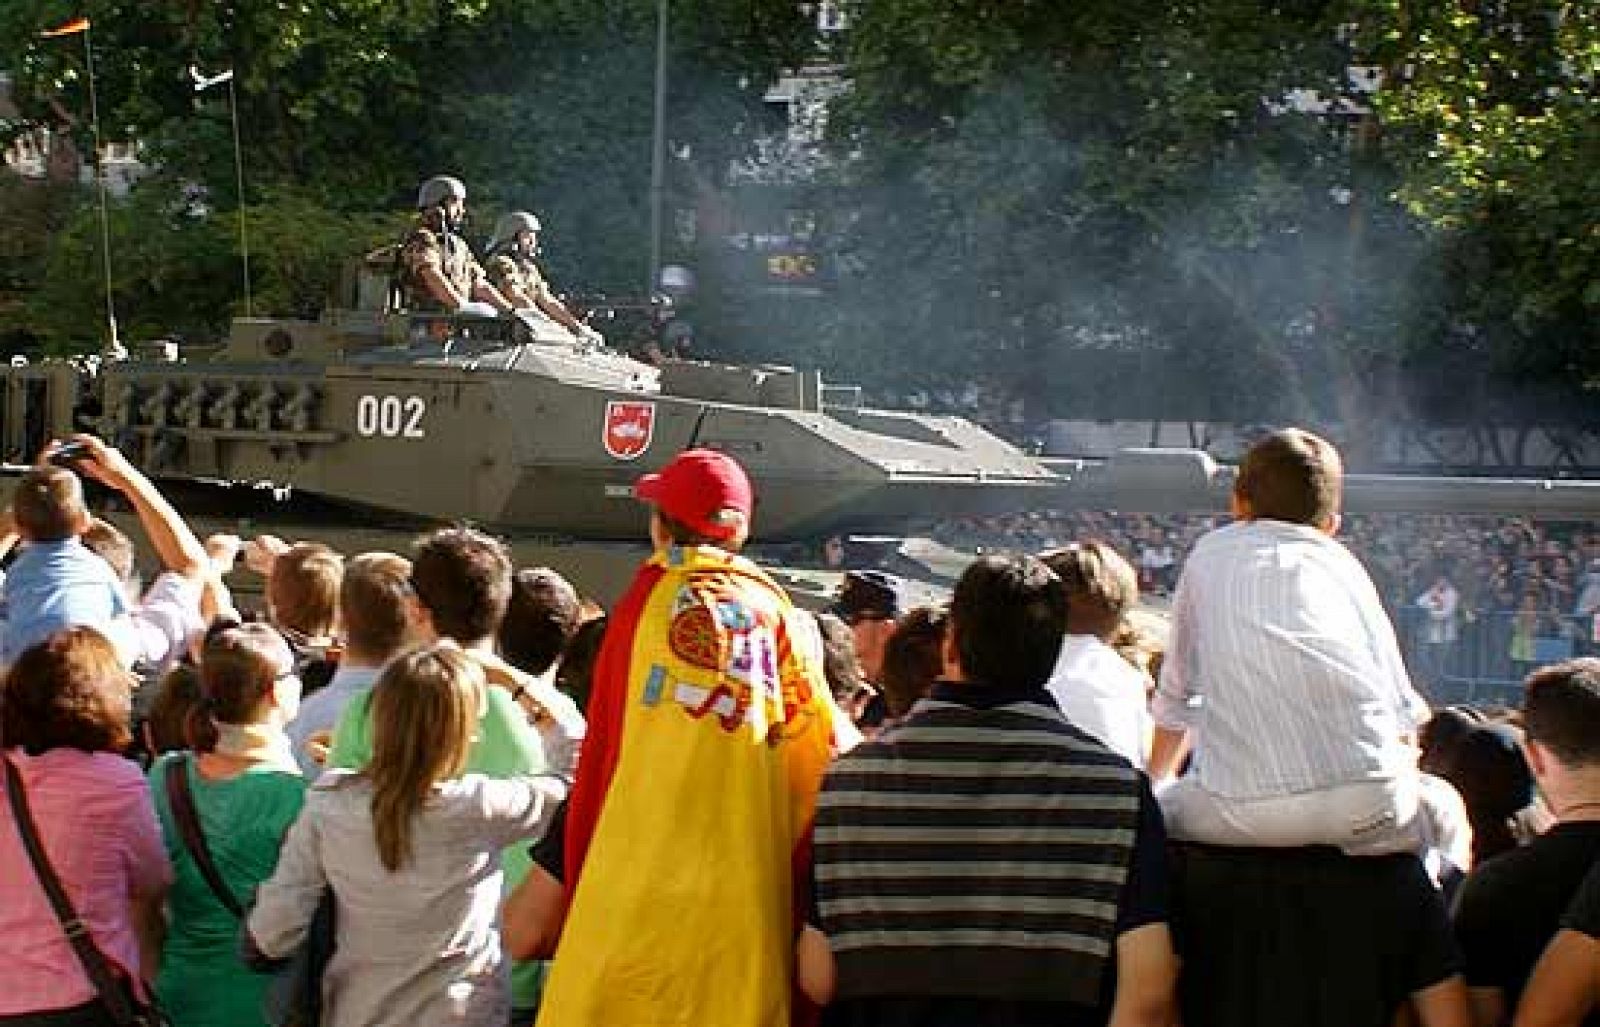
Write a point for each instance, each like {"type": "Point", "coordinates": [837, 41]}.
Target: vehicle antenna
{"type": "Point", "coordinates": [75, 27]}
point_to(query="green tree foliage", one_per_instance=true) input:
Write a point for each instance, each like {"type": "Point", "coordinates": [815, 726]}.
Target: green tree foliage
{"type": "Point", "coordinates": [1109, 181]}
{"type": "Point", "coordinates": [1184, 209]}
{"type": "Point", "coordinates": [1493, 111]}
{"type": "Point", "coordinates": [1130, 208]}
{"type": "Point", "coordinates": [31, 215]}
{"type": "Point", "coordinates": [176, 269]}
{"type": "Point", "coordinates": [345, 105]}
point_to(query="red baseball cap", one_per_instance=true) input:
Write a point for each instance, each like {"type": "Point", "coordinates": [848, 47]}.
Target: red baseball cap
{"type": "Point", "coordinates": [701, 489]}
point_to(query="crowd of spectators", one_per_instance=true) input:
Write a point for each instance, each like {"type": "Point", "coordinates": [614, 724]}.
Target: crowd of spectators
{"type": "Point", "coordinates": [1476, 599]}
{"type": "Point", "coordinates": [364, 802]}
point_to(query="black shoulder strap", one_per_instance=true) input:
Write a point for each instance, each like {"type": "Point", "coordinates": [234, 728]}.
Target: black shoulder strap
{"type": "Point", "coordinates": [181, 801]}
{"type": "Point", "coordinates": [95, 964]}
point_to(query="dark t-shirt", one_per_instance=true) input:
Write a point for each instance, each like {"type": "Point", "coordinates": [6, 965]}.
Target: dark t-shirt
{"type": "Point", "coordinates": [1144, 901]}
{"type": "Point", "coordinates": [1583, 913]}
{"type": "Point", "coordinates": [550, 851]}
{"type": "Point", "coordinates": [1511, 906]}
{"type": "Point", "coordinates": [1309, 936]}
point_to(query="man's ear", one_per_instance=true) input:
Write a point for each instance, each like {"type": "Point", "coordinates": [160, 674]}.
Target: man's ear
{"type": "Point", "coordinates": [949, 654]}
{"type": "Point", "coordinates": [1331, 528]}
{"type": "Point", "coordinates": [659, 538]}
{"type": "Point", "coordinates": [1538, 757]}
{"type": "Point", "coordinates": [421, 619]}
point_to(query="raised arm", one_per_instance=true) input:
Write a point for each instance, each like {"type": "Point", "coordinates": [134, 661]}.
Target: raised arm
{"type": "Point", "coordinates": [554, 715]}
{"type": "Point", "coordinates": [179, 550]}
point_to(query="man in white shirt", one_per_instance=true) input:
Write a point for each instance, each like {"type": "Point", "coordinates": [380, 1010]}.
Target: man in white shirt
{"type": "Point", "coordinates": [1284, 673]}
{"type": "Point", "coordinates": [1442, 603]}
{"type": "Point", "coordinates": [1098, 691]}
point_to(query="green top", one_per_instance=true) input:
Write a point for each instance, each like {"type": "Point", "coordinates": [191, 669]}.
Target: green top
{"type": "Point", "coordinates": [506, 746]}
{"type": "Point", "coordinates": [244, 819]}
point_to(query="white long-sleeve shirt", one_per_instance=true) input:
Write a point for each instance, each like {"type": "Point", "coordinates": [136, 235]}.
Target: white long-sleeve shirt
{"type": "Point", "coordinates": [1283, 666]}
{"type": "Point", "coordinates": [1101, 693]}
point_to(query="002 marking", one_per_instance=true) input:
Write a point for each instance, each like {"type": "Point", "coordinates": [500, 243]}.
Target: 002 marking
{"type": "Point", "coordinates": [391, 417]}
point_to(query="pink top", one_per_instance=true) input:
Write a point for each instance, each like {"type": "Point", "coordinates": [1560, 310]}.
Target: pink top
{"type": "Point", "coordinates": [94, 814]}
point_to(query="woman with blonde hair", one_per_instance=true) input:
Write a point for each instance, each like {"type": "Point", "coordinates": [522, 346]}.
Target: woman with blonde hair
{"type": "Point", "coordinates": [1098, 690]}
{"type": "Point", "coordinates": [411, 849]}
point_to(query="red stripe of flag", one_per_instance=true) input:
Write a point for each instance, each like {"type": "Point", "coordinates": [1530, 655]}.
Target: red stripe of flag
{"type": "Point", "coordinates": [608, 705]}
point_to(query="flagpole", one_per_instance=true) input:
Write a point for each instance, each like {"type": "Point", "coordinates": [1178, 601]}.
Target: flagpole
{"type": "Point", "coordinates": [100, 180]}
{"type": "Point", "coordinates": [658, 151]}
{"type": "Point", "coordinates": [203, 82]}
{"type": "Point", "coordinates": [238, 171]}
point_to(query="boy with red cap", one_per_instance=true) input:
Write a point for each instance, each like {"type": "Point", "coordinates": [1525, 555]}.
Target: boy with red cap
{"type": "Point", "coordinates": [689, 824]}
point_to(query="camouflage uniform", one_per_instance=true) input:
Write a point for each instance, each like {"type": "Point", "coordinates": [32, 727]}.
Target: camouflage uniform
{"type": "Point", "coordinates": [447, 253]}
{"type": "Point", "coordinates": [511, 273]}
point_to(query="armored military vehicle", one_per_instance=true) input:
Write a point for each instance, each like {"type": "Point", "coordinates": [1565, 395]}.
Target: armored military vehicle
{"type": "Point", "coordinates": [510, 423]}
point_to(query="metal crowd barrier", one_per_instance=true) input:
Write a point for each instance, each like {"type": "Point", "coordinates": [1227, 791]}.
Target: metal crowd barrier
{"type": "Point", "coordinates": [1488, 654]}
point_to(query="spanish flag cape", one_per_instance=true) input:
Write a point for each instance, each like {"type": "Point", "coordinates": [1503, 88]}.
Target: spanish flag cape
{"type": "Point", "coordinates": [688, 827]}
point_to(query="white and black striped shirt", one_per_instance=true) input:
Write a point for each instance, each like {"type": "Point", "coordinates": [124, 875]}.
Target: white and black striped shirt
{"type": "Point", "coordinates": [980, 849]}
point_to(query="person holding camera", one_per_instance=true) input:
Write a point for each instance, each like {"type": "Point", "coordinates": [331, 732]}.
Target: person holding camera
{"type": "Point", "coordinates": [59, 581]}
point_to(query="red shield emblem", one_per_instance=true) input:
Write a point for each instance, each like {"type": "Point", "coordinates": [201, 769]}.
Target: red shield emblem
{"type": "Point", "coordinates": [629, 427]}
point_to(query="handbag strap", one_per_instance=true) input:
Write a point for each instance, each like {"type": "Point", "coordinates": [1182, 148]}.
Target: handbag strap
{"type": "Point", "coordinates": [95, 964]}
{"type": "Point", "coordinates": [181, 801]}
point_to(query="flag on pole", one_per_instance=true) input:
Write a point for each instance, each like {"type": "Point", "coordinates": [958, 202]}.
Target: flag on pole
{"type": "Point", "coordinates": [71, 28]}
{"type": "Point", "coordinates": [80, 27]}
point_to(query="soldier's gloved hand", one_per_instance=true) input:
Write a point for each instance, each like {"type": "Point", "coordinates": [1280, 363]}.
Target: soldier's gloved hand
{"type": "Point", "coordinates": [590, 336]}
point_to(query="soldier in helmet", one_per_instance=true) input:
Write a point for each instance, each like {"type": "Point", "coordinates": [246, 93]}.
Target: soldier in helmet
{"type": "Point", "coordinates": [436, 268]}
{"type": "Point", "coordinates": [512, 270]}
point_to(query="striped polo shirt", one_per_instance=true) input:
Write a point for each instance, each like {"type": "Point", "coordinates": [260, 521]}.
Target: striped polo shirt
{"type": "Point", "coordinates": [979, 849]}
